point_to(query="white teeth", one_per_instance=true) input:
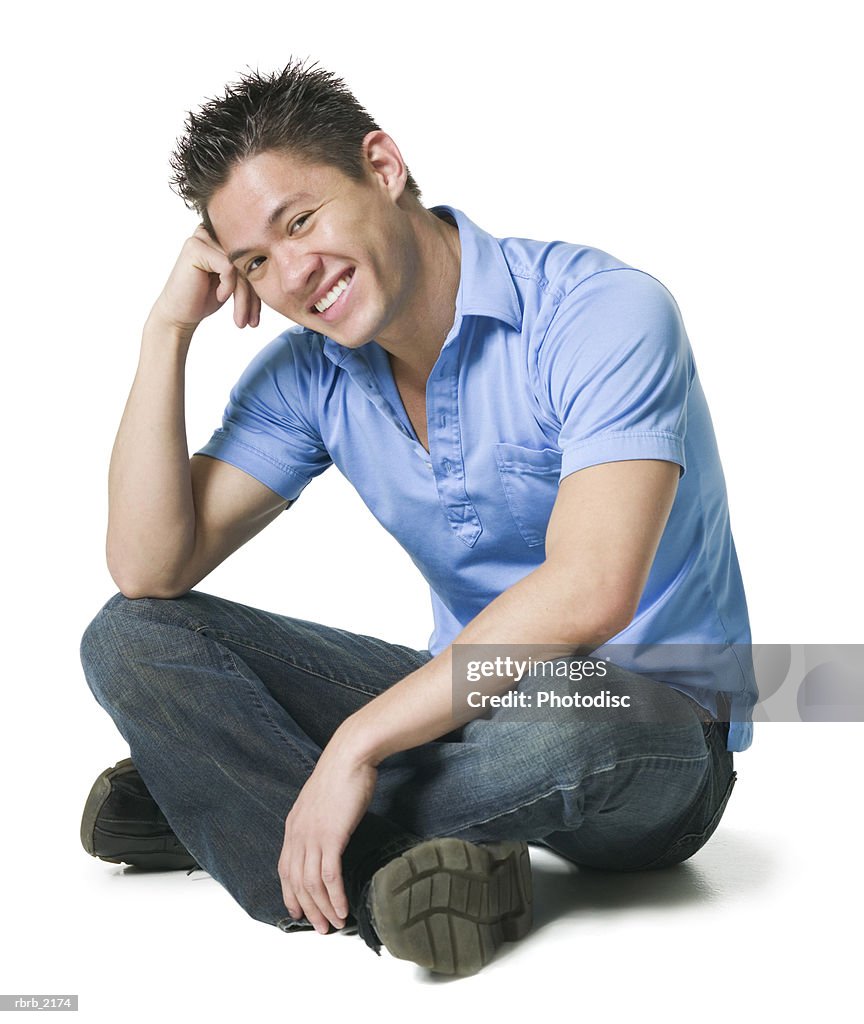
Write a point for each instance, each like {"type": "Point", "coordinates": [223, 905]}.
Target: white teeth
{"type": "Point", "coordinates": [333, 294]}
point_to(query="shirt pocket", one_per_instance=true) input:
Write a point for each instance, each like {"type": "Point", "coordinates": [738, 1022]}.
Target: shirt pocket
{"type": "Point", "coordinates": [529, 478]}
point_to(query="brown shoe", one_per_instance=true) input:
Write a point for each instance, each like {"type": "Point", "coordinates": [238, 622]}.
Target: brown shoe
{"type": "Point", "coordinates": [448, 904]}
{"type": "Point", "coordinates": [123, 824]}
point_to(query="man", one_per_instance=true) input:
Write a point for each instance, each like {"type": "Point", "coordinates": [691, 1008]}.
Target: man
{"type": "Point", "coordinates": [526, 419]}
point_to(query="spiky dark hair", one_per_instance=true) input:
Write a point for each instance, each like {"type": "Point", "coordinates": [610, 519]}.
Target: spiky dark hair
{"type": "Point", "coordinates": [301, 109]}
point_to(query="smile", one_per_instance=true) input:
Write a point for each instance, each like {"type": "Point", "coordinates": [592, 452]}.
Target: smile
{"type": "Point", "coordinates": [327, 301]}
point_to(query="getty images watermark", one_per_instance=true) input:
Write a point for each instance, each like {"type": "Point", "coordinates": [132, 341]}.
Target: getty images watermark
{"type": "Point", "coordinates": [794, 682]}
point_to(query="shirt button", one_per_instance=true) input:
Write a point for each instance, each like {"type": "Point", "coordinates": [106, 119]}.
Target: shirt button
{"type": "Point", "coordinates": [443, 420]}
{"type": "Point", "coordinates": [446, 466]}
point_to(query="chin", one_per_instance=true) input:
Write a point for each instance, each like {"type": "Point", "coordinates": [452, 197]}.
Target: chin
{"type": "Point", "coordinates": [350, 342]}
{"type": "Point", "coordinates": [347, 335]}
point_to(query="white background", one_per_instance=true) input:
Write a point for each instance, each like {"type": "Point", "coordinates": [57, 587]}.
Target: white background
{"type": "Point", "coordinates": [716, 146]}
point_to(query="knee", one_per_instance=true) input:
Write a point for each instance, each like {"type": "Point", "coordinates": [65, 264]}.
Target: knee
{"type": "Point", "coordinates": [100, 635]}
{"type": "Point", "coordinates": [103, 640]}
{"type": "Point", "coordinates": [115, 642]}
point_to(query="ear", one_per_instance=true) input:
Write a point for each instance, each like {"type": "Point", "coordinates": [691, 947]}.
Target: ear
{"type": "Point", "coordinates": [385, 162]}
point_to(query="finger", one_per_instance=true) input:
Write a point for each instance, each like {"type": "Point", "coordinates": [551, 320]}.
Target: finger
{"type": "Point", "coordinates": [286, 873]}
{"type": "Point", "coordinates": [211, 260]}
{"type": "Point", "coordinates": [227, 283]}
{"type": "Point", "coordinates": [292, 873]}
{"type": "Point", "coordinates": [255, 304]}
{"type": "Point", "coordinates": [204, 235]}
{"type": "Point", "coordinates": [300, 904]}
{"type": "Point", "coordinates": [289, 896]}
{"type": "Point", "coordinates": [242, 310]}
{"type": "Point", "coordinates": [214, 257]}
{"type": "Point", "coordinates": [331, 875]}
{"type": "Point", "coordinates": [315, 886]}
{"type": "Point", "coordinates": [312, 913]}
{"type": "Point", "coordinates": [249, 314]}
{"type": "Point", "coordinates": [292, 903]}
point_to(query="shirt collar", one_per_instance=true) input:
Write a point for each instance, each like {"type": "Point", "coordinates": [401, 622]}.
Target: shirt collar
{"type": "Point", "coordinates": [486, 285]}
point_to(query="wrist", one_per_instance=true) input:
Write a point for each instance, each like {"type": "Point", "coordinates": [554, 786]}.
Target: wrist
{"type": "Point", "coordinates": [352, 746]}
{"type": "Point", "coordinates": [165, 332]}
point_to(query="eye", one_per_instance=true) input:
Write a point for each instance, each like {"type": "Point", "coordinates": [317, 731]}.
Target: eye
{"type": "Point", "coordinates": [253, 265]}
{"type": "Point", "coordinates": [298, 223]}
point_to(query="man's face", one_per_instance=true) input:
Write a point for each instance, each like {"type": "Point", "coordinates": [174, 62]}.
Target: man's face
{"type": "Point", "coordinates": [328, 252]}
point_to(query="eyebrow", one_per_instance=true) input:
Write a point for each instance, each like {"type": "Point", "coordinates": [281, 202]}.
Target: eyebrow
{"type": "Point", "coordinates": [286, 204]}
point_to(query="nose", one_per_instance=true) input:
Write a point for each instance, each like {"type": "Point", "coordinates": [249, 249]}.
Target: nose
{"type": "Point", "coordinates": [296, 269]}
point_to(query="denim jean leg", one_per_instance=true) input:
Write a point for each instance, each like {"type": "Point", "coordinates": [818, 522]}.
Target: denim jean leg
{"type": "Point", "coordinates": [224, 758]}
{"type": "Point", "coordinates": [613, 781]}
{"type": "Point", "coordinates": [226, 710]}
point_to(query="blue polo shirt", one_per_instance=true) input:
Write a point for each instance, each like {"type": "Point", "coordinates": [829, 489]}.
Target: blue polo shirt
{"type": "Point", "coordinates": [560, 357]}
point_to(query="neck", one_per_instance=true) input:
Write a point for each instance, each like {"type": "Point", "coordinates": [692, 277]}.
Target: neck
{"type": "Point", "coordinates": [415, 341]}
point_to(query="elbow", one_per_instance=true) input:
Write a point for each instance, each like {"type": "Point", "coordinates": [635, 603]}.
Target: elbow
{"type": "Point", "coordinates": [598, 621]}
{"type": "Point", "coordinates": [617, 611]}
{"type": "Point", "coordinates": [595, 630]}
{"type": "Point", "coordinates": [135, 589]}
{"type": "Point", "coordinates": [135, 583]}
{"type": "Point", "coordinates": [157, 593]}
{"type": "Point", "coordinates": [614, 622]}
{"type": "Point", "coordinates": [589, 610]}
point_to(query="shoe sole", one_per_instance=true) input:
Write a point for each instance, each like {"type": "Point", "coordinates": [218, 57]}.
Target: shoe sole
{"type": "Point", "coordinates": [115, 841]}
{"type": "Point", "coordinates": [448, 905]}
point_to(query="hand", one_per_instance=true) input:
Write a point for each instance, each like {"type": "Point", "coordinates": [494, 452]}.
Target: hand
{"type": "Point", "coordinates": [200, 283]}
{"type": "Point", "coordinates": [326, 812]}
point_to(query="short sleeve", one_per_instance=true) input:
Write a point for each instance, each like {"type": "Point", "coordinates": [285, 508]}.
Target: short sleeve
{"type": "Point", "coordinates": [267, 430]}
{"type": "Point", "coordinates": [614, 370]}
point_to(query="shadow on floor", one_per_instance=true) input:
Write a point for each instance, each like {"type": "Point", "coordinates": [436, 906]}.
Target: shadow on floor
{"type": "Point", "coordinates": [724, 871]}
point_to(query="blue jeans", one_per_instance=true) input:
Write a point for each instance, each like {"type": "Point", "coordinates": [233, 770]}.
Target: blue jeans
{"type": "Point", "coordinates": [226, 709]}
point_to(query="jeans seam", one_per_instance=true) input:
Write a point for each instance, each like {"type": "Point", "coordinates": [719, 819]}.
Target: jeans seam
{"type": "Point", "coordinates": [230, 665]}
{"type": "Point", "coordinates": [298, 751]}
{"type": "Point", "coordinates": [568, 788]}
{"type": "Point", "coordinates": [195, 625]}
{"type": "Point", "coordinates": [228, 638]}
{"type": "Point", "coordinates": [278, 656]}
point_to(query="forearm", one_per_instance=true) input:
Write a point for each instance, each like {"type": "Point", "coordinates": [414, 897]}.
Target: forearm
{"type": "Point", "coordinates": [538, 610]}
{"type": "Point", "coordinates": [151, 517]}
